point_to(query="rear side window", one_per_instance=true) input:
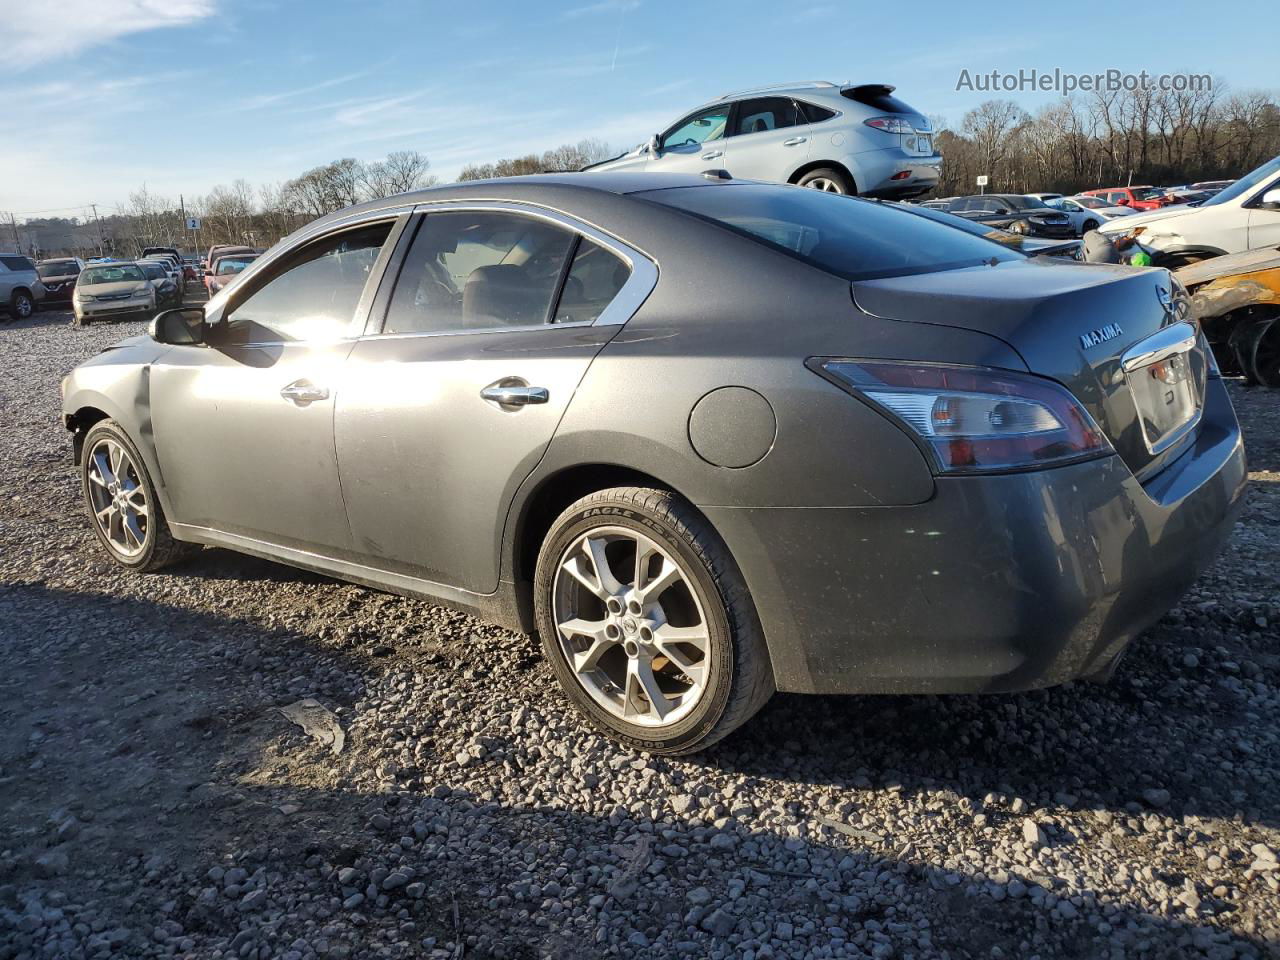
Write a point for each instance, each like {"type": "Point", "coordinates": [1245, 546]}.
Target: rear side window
{"type": "Point", "coordinates": [764, 114]}
{"type": "Point", "coordinates": [813, 113]}
{"type": "Point", "coordinates": [594, 279]}
{"type": "Point", "coordinates": [846, 236]}
{"type": "Point", "coordinates": [17, 263]}
{"type": "Point", "coordinates": [877, 98]}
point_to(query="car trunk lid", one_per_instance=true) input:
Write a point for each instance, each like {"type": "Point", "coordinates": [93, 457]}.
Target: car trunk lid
{"type": "Point", "coordinates": [1114, 336]}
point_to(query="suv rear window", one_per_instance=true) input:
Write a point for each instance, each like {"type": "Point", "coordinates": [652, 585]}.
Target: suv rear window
{"type": "Point", "coordinates": [17, 263]}
{"type": "Point", "coordinates": [847, 236]}
{"type": "Point", "coordinates": [877, 98]}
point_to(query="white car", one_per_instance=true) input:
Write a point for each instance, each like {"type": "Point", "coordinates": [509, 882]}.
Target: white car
{"type": "Point", "coordinates": [1089, 213]}
{"type": "Point", "coordinates": [1244, 216]}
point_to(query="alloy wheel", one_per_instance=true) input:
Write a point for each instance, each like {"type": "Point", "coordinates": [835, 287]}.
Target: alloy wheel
{"type": "Point", "coordinates": [824, 183]}
{"type": "Point", "coordinates": [22, 306]}
{"type": "Point", "coordinates": [631, 627]}
{"type": "Point", "coordinates": [117, 498]}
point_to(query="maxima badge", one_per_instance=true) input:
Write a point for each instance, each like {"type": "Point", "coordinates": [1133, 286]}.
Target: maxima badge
{"type": "Point", "coordinates": [1101, 335]}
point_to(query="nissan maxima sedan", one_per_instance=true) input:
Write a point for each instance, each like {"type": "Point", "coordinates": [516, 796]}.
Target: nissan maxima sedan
{"type": "Point", "coordinates": [708, 438]}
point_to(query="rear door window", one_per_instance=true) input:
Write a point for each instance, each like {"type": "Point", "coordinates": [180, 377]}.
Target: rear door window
{"type": "Point", "coordinates": [594, 279]}
{"type": "Point", "coordinates": [764, 114]}
{"type": "Point", "coordinates": [17, 263]}
{"type": "Point", "coordinates": [813, 113]}
{"type": "Point", "coordinates": [846, 236]}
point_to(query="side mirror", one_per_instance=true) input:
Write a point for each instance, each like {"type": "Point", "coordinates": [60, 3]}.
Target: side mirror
{"type": "Point", "coordinates": [654, 146]}
{"type": "Point", "coordinates": [183, 325]}
{"type": "Point", "coordinates": [1122, 202]}
{"type": "Point", "coordinates": [1271, 198]}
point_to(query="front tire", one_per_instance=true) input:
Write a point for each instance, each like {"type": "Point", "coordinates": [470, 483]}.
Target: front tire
{"type": "Point", "coordinates": [124, 511]}
{"type": "Point", "coordinates": [21, 306]}
{"type": "Point", "coordinates": [647, 622]}
{"type": "Point", "coordinates": [827, 179]}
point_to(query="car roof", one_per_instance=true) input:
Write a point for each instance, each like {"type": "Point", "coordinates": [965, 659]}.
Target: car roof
{"type": "Point", "coordinates": [548, 188]}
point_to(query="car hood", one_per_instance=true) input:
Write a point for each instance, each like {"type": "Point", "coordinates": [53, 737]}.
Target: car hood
{"type": "Point", "coordinates": [1125, 224]}
{"type": "Point", "coordinates": [140, 349]}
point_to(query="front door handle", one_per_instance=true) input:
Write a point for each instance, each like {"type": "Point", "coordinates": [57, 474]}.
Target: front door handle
{"type": "Point", "coordinates": [794, 141]}
{"type": "Point", "coordinates": [713, 155]}
{"type": "Point", "coordinates": [303, 392]}
{"type": "Point", "coordinates": [507, 394]}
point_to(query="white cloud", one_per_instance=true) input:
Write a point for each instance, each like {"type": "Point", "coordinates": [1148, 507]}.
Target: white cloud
{"type": "Point", "coordinates": [603, 6]}
{"type": "Point", "coordinates": [82, 24]}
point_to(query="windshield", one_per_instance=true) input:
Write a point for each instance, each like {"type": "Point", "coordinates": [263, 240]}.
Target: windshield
{"type": "Point", "coordinates": [227, 266]}
{"type": "Point", "coordinates": [1026, 203]}
{"type": "Point", "coordinates": [59, 268]}
{"type": "Point", "coordinates": [1245, 183]}
{"type": "Point", "coordinates": [120, 274]}
{"type": "Point", "coordinates": [849, 237]}
{"type": "Point", "coordinates": [1093, 203]}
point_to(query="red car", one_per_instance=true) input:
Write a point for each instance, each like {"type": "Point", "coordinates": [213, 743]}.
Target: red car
{"type": "Point", "coordinates": [1140, 198]}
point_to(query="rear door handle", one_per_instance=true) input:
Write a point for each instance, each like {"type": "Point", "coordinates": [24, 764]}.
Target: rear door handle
{"type": "Point", "coordinates": [713, 155]}
{"type": "Point", "coordinates": [303, 392]}
{"type": "Point", "coordinates": [514, 395]}
{"type": "Point", "coordinates": [794, 141]}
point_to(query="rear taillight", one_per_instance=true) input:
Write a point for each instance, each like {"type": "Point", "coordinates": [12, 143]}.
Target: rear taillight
{"type": "Point", "coordinates": [974, 419]}
{"type": "Point", "coordinates": [890, 124]}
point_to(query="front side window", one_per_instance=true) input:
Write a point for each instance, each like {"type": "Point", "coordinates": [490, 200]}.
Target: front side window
{"type": "Point", "coordinates": [313, 293]}
{"type": "Point", "coordinates": [478, 270]}
{"type": "Point", "coordinates": [594, 279]}
{"type": "Point", "coordinates": [702, 127]}
{"type": "Point", "coordinates": [764, 114]}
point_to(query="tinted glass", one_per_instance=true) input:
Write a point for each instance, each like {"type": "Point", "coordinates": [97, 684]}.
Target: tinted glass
{"type": "Point", "coordinates": [814, 113]}
{"type": "Point", "coordinates": [593, 281]}
{"type": "Point", "coordinates": [154, 271]}
{"type": "Point", "coordinates": [764, 114]}
{"type": "Point", "coordinates": [700, 128]}
{"type": "Point", "coordinates": [312, 294]}
{"type": "Point", "coordinates": [851, 238]}
{"type": "Point", "coordinates": [59, 268]}
{"type": "Point", "coordinates": [478, 270]}
{"type": "Point", "coordinates": [120, 274]}
{"type": "Point", "coordinates": [17, 263]}
{"type": "Point", "coordinates": [1025, 203]}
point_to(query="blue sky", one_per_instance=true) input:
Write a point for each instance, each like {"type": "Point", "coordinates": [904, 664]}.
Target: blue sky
{"type": "Point", "coordinates": [105, 95]}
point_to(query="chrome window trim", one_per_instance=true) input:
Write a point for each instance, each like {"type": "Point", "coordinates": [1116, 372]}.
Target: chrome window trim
{"type": "Point", "coordinates": [399, 217]}
{"type": "Point", "coordinates": [624, 305]}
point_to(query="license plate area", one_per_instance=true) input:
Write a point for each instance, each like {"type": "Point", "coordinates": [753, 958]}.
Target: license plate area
{"type": "Point", "coordinates": [1168, 394]}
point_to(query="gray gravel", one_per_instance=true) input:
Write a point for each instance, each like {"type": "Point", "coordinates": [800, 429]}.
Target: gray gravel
{"type": "Point", "coordinates": [154, 801]}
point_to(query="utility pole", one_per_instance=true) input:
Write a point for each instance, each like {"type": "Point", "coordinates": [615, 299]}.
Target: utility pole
{"type": "Point", "coordinates": [98, 221]}
{"type": "Point", "coordinates": [17, 244]}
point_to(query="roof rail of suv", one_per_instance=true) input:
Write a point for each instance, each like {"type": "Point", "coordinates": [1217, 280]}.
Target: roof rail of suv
{"type": "Point", "coordinates": [801, 85]}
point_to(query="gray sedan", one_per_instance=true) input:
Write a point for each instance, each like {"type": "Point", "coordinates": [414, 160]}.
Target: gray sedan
{"type": "Point", "coordinates": [707, 438]}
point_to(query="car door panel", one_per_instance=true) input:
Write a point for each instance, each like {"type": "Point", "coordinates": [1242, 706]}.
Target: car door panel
{"type": "Point", "coordinates": [428, 466]}
{"type": "Point", "coordinates": [239, 457]}
{"type": "Point", "coordinates": [774, 150]}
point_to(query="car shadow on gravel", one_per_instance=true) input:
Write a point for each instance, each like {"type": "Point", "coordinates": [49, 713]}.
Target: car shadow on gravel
{"type": "Point", "coordinates": [130, 774]}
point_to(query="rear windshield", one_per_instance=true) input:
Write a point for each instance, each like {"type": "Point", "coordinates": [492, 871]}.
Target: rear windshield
{"type": "Point", "coordinates": [1147, 193]}
{"type": "Point", "coordinates": [851, 238]}
{"type": "Point", "coordinates": [59, 268]}
{"type": "Point", "coordinates": [878, 98]}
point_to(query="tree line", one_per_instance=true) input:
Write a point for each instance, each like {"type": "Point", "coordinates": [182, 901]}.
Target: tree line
{"type": "Point", "coordinates": [1108, 139]}
{"type": "Point", "coordinates": [1076, 143]}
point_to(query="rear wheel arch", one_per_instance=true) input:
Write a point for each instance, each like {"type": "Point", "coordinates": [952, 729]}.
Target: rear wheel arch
{"type": "Point", "coordinates": [835, 165]}
{"type": "Point", "coordinates": [552, 495]}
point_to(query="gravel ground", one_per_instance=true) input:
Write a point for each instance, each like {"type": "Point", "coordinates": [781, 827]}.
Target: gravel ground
{"type": "Point", "coordinates": [155, 802]}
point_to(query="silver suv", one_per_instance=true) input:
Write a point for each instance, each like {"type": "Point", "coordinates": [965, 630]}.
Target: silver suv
{"type": "Point", "coordinates": [20, 286]}
{"type": "Point", "coordinates": [844, 139]}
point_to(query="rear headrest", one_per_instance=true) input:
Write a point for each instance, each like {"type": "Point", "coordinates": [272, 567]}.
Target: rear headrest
{"type": "Point", "coordinates": [495, 296]}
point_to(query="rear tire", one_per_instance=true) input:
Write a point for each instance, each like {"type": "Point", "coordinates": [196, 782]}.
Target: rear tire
{"type": "Point", "coordinates": [21, 306]}
{"type": "Point", "coordinates": [827, 179]}
{"type": "Point", "coordinates": [1257, 346]}
{"type": "Point", "coordinates": [124, 511]}
{"type": "Point", "coordinates": [1087, 226]}
{"type": "Point", "coordinates": [624, 651]}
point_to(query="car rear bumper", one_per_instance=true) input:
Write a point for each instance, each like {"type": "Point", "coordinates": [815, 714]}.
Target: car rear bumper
{"type": "Point", "coordinates": [997, 583]}
{"type": "Point", "coordinates": [873, 172]}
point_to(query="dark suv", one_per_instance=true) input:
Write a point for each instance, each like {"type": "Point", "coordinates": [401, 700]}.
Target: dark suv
{"type": "Point", "coordinates": [59, 279]}
{"type": "Point", "coordinates": [1015, 213]}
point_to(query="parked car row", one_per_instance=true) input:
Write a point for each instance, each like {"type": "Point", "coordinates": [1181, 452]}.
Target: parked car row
{"type": "Point", "coordinates": [1034, 214]}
